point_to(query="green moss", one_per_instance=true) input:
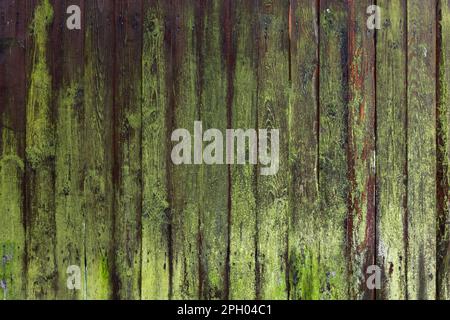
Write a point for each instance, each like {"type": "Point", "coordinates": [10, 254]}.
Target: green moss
{"type": "Point", "coordinates": [134, 120]}
{"type": "Point", "coordinates": [273, 109]}
{"type": "Point", "coordinates": [185, 199]}
{"type": "Point", "coordinates": [103, 271]}
{"type": "Point", "coordinates": [14, 159]}
{"type": "Point", "coordinates": [443, 284]}
{"type": "Point", "coordinates": [305, 277]}
{"type": "Point", "coordinates": [421, 153]}
{"type": "Point", "coordinates": [391, 133]}
{"type": "Point", "coordinates": [12, 237]}
{"type": "Point", "coordinates": [333, 183]}
{"type": "Point", "coordinates": [69, 198]}
{"type": "Point", "coordinates": [40, 154]}
{"type": "Point", "coordinates": [40, 135]}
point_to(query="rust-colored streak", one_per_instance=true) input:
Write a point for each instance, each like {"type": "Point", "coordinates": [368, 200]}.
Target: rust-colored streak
{"type": "Point", "coordinates": [352, 203]}
{"type": "Point", "coordinates": [360, 149]}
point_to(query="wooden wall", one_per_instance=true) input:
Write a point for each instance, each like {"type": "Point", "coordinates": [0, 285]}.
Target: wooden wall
{"type": "Point", "coordinates": [86, 177]}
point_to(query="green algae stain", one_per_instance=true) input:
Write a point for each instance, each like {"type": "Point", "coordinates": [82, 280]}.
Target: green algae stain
{"type": "Point", "coordinates": [12, 235]}
{"type": "Point", "coordinates": [8, 256]}
{"type": "Point", "coordinates": [390, 156]}
{"type": "Point", "coordinates": [40, 153]}
{"type": "Point", "coordinates": [134, 120]}
{"type": "Point", "coordinates": [103, 286]}
{"type": "Point", "coordinates": [306, 278]}
{"type": "Point", "coordinates": [12, 159]}
{"type": "Point", "coordinates": [443, 286]}
{"type": "Point", "coordinates": [155, 270]}
{"type": "Point", "coordinates": [40, 135]}
{"type": "Point", "coordinates": [68, 194]}
{"type": "Point", "coordinates": [272, 196]}
{"type": "Point", "coordinates": [333, 184]}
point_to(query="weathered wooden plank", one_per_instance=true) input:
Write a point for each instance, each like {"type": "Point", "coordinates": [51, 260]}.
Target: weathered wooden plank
{"type": "Point", "coordinates": [242, 276]}
{"type": "Point", "coordinates": [304, 274]}
{"type": "Point", "coordinates": [40, 155]}
{"type": "Point", "coordinates": [421, 214]}
{"type": "Point", "coordinates": [443, 150]}
{"type": "Point", "coordinates": [183, 179]}
{"type": "Point", "coordinates": [127, 173]}
{"type": "Point", "coordinates": [12, 148]}
{"type": "Point", "coordinates": [391, 149]}
{"type": "Point", "coordinates": [155, 210]}
{"type": "Point", "coordinates": [98, 148]}
{"type": "Point", "coordinates": [360, 224]}
{"type": "Point", "coordinates": [69, 110]}
{"type": "Point", "coordinates": [272, 113]}
{"type": "Point", "coordinates": [333, 139]}
{"type": "Point", "coordinates": [214, 91]}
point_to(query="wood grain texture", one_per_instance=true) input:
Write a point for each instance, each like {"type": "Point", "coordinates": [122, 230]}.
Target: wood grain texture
{"type": "Point", "coordinates": [42, 275]}
{"type": "Point", "coordinates": [12, 149]}
{"type": "Point", "coordinates": [98, 147]}
{"type": "Point", "coordinates": [69, 108]}
{"type": "Point", "coordinates": [215, 61]}
{"type": "Point", "coordinates": [184, 180]}
{"type": "Point", "coordinates": [272, 113]}
{"type": "Point", "coordinates": [360, 221]}
{"type": "Point", "coordinates": [443, 151]}
{"type": "Point", "coordinates": [391, 150]}
{"type": "Point", "coordinates": [421, 150]}
{"type": "Point", "coordinates": [333, 139]}
{"type": "Point", "coordinates": [304, 274]}
{"type": "Point", "coordinates": [127, 138]}
{"type": "Point", "coordinates": [155, 197]}
{"type": "Point", "coordinates": [242, 260]}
